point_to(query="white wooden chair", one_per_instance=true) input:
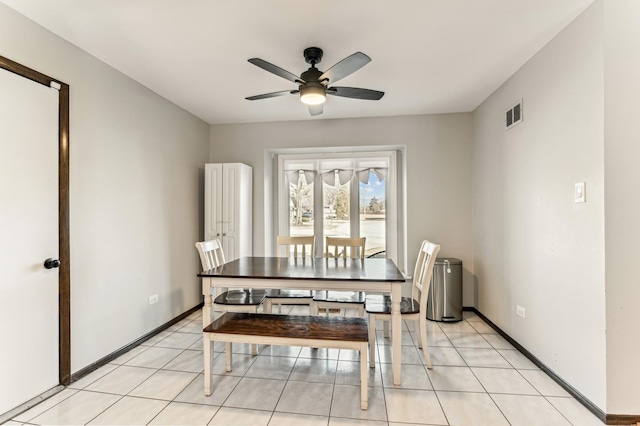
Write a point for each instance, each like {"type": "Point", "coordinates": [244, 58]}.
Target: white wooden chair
{"type": "Point", "coordinates": [298, 247]}
{"type": "Point", "coordinates": [414, 308]}
{"type": "Point", "coordinates": [234, 300]}
{"type": "Point", "coordinates": [338, 247]}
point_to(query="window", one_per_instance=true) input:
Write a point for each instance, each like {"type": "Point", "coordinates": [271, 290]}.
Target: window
{"type": "Point", "coordinates": [342, 194]}
{"type": "Point", "coordinates": [300, 206]}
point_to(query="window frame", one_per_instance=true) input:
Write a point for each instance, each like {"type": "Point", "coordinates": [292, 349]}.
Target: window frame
{"type": "Point", "coordinates": [395, 197]}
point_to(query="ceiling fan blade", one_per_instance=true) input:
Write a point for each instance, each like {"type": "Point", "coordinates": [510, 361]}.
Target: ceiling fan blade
{"type": "Point", "coordinates": [315, 109]}
{"type": "Point", "coordinates": [267, 66]}
{"type": "Point", "coordinates": [355, 93]}
{"type": "Point", "coordinates": [345, 67]}
{"type": "Point", "coordinates": [272, 95]}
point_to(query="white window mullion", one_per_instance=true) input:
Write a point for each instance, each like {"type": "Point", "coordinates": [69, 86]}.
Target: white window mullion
{"type": "Point", "coordinates": [318, 214]}
{"type": "Point", "coordinates": [283, 201]}
{"type": "Point", "coordinates": [354, 206]}
{"type": "Point", "coordinates": [392, 222]}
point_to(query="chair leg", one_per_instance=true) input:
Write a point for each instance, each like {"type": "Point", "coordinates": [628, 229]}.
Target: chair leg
{"type": "Point", "coordinates": [423, 338]}
{"type": "Point", "coordinates": [361, 311]}
{"type": "Point", "coordinates": [419, 335]}
{"type": "Point", "coordinates": [385, 328]}
{"type": "Point", "coordinates": [268, 306]}
{"type": "Point", "coordinates": [372, 341]}
{"type": "Point", "coordinates": [313, 307]}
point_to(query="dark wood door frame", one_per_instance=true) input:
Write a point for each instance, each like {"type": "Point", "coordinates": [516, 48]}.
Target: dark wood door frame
{"type": "Point", "coordinates": [64, 281]}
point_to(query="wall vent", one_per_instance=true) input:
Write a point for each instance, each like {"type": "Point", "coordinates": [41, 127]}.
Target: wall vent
{"type": "Point", "coordinates": [514, 115]}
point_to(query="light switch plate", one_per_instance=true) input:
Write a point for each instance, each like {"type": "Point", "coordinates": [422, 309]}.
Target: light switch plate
{"type": "Point", "coordinates": [580, 194]}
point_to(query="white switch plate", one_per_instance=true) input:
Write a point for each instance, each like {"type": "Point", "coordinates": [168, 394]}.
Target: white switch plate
{"type": "Point", "coordinates": [520, 310]}
{"type": "Point", "coordinates": [153, 299]}
{"type": "Point", "coordinates": [580, 192]}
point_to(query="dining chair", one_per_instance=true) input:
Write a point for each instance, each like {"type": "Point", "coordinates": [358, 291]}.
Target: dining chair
{"type": "Point", "coordinates": [298, 247]}
{"type": "Point", "coordinates": [233, 300]}
{"type": "Point", "coordinates": [378, 307]}
{"type": "Point", "coordinates": [339, 247]}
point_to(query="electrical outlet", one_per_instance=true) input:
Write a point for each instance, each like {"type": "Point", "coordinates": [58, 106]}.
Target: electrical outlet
{"type": "Point", "coordinates": [520, 310]}
{"type": "Point", "coordinates": [153, 299]}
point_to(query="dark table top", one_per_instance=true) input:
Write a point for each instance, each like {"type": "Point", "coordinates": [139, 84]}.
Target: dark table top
{"type": "Point", "coordinates": [308, 269]}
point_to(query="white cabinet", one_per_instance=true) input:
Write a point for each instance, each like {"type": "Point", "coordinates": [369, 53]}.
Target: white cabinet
{"type": "Point", "coordinates": [228, 207]}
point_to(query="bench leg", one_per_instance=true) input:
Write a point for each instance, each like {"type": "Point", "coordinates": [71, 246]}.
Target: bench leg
{"type": "Point", "coordinates": [228, 356]}
{"type": "Point", "coordinates": [364, 375]}
{"type": "Point", "coordinates": [207, 364]}
{"type": "Point", "coordinates": [372, 340]}
{"type": "Point", "coordinates": [313, 307]}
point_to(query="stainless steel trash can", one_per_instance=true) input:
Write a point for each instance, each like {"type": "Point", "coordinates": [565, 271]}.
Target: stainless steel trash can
{"type": "Point", "coordinates": [445, 292]}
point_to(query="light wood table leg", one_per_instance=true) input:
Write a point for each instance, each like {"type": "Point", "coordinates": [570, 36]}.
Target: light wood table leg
{"type": "Point", "coordinates": [207, 364]}
{"type": "Point", "coordinates": [396, 332]}
{"type": "Point", "coordinates": [208, 302]}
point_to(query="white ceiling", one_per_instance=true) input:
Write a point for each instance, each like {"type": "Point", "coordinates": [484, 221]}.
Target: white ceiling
{"type": "Point", "coordinates": [429, 56]}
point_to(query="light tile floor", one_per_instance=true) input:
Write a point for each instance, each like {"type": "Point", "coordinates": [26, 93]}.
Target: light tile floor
{"type": "Point", "coordinates": [478, 378]}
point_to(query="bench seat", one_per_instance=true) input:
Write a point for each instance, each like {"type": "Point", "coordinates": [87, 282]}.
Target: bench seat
{"type": "Point", "coordinates": [288, 330]}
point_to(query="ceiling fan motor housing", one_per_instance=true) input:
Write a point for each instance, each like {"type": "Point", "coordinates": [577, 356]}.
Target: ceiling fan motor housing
{"type": "Point", "coordinates": [312, 55]}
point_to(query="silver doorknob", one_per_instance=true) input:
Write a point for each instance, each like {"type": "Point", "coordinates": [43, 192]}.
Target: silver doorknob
{"type": "Point", "coordinates": [51, 263]}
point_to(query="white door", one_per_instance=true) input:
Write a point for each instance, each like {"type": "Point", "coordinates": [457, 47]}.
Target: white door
{"type": "Point", "coordinates": [28, 236]}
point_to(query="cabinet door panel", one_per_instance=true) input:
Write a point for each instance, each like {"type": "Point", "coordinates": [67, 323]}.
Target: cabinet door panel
{"type": "Point", "coordinates": [230, 210]}
{"type": "Point", "coordinates": [213, 201]}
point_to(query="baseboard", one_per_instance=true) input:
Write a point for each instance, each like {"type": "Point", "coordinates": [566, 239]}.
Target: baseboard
{"type": "Point", "coordinates": [566, 386]}
{"type": "Point", "coordinates": [105, 360]}
{"type": "Point", "coordinates": [5, 417]}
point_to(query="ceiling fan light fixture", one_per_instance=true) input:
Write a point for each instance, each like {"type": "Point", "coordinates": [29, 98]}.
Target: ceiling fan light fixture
{"type": "Point", "coordinates": [313, 95]}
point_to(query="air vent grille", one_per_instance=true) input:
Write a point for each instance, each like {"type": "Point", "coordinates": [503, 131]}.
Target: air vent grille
{"type": "Point", "coordinates": [514, 115]}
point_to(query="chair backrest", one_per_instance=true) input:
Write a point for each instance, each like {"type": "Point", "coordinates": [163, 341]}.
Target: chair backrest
{"type": "Point", "coordinates": [337, 247]}
{"type": "Point", "coordinates": [211, 254]}
{"type": "Point", "coordinates": [423, 272]}
{"type": "Point", "coordinates": [298, 245]}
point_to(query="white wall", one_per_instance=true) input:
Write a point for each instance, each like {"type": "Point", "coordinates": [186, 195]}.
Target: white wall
{"type": "Point", "coordinates": [533, 245]}
{"type": "Point", "coordinates": [135, 194]}
{"type": "Point", "coordinates": [622, 176]}
{"type": "Point", "coordinates": [438, 151]}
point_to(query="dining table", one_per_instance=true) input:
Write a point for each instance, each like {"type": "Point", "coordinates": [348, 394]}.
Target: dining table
{"type": "Point", "coordinates": [375, 275]}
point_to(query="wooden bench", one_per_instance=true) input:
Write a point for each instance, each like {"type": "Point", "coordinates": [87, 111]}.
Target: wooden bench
{"type": "Point", "coordinates": [288, 330]}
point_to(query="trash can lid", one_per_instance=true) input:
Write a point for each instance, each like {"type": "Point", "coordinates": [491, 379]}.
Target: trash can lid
{"type": "Point", "coordinates": [452, 261]}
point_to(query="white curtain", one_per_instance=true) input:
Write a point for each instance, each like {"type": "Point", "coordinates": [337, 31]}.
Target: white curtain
{"type": "Point", "coordinates": [365, 175]}
{"type": "Point", "coordinates": [294, 176]}
{"type": "Point", "coordinates": [342, 176]}
{"type": "Point", "coordinates": [336, 176]}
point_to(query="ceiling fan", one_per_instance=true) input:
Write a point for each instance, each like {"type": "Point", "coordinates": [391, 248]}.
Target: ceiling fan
{"type": "Point", "coordinates": [313, 84]}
